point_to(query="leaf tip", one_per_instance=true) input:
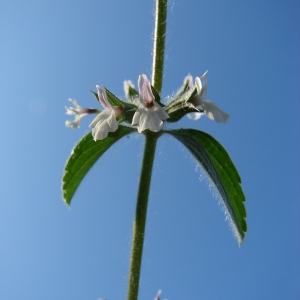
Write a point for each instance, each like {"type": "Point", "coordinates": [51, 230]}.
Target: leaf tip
{"type": "Point", "coordinates": [65, 198]}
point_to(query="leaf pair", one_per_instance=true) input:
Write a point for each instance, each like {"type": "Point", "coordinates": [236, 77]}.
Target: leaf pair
{"type": "Point", "coordinates": [208, 152]}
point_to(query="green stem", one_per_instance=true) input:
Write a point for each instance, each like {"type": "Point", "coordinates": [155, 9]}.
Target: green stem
{"type": "Point", "coordinates": [159, 43]}
{"type": "Point", "coordinates": [140, 217]}
{"type": "Point", "coordinates": [149, 153]}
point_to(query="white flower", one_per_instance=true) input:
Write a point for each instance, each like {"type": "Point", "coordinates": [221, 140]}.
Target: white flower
{"type": "Point", "coordinates": [149, 115]}
{"type": "Point", "coordinates": [106, 121]}
{"type": "Point", "coordinates": [126, 85]}
{"type": "Point", "coordinates": [79, 113]}
{"type": "Point", "coordinates": [132, 98]}
{"type": "Point", "coordinates": [211, 110]}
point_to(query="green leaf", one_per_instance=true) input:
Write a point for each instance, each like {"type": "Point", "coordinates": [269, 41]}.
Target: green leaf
{"type": "Point", "coordinates": [95, 95]}
{"type": "Point", "coordinates": [220, 169]}
{"type": "Point", "coordinates": [83, 157]}
{"type": "Point", "coordinates": [156, 96]}
{"type": "Point", "coordinates": [115, 101]}
{"type": "Point", "coordinates": [132, 93]}
{"type": "Point", "coordinates": [112, 99]}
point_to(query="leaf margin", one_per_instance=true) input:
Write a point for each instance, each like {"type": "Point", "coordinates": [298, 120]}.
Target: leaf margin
{"type": "Point", "coordinates": [69, 186]}
{"type": "Point", "coordinates": [228, 176]}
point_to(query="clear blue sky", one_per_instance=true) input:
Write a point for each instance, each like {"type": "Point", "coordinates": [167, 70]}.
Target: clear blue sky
{"type": "Point", "coordinates": [53, 50]}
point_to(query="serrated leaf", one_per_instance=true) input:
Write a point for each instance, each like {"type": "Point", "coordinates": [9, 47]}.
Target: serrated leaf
{"type": "Point", "coordinates": [83, 157]}
{"type": "Point", "coordinates": [220, 169]}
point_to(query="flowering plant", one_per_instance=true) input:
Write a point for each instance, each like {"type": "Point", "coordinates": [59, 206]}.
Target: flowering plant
{"type": "Point", "coordinates": [145, 113]}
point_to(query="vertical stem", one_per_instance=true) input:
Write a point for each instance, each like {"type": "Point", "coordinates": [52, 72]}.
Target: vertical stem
{"type": "Point", "coordinates": [159, 44]}
{"type": "Point", "coordinates": [149, 153]}
{"type": "Point", "coordinates": [140, 217]}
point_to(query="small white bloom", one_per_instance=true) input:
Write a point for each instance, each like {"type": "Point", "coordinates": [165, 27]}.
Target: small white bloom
{"type": "Point", "coordinates": [106, 121]}
{"type": "Point", "coordinates": [149, 115]}
{"type": "Point", "coordinates": [79, 113]}
{"type": "Point", "coordinates": [211, 110]}
{"type": "Point", "coordinates": [132, 98]}
{"type": "Point", "coordinates": [126, 85]}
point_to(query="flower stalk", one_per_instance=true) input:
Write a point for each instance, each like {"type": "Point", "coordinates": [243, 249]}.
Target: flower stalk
{"type": "Point", "coordinates": [148, 158]}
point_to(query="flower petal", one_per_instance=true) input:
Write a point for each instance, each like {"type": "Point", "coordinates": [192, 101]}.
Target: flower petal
{"type": "Point", "coordinates": [146, 94]}
{"type": "Point", "coordinates": [195, 116]}
{"type": "Point", "coordinates": [142, 125]}
{"type": "Point", "coordinates": [75, 103]}
{"type": "Point", "coordinates": [70, 110]}
{"type": "Point", "coordinates": [77, 110]}
{"type": "Point", "coordinates": [198, 84]}
{"type": "Point", "coordinates": [154, 123]}
{"type": "Point", "coordinates": [74, 124]}
{"type": "Point", "coordinates": [104, 123]}
{"type": "Point", "coordinates": [137, 115]}
{"type": "Point", "coordinates": [102, 98]}
{"type": "Point", "coordinates": [204, 84]}
{"type": "Point", "coordinates": [201, 84]}
{"type": "Point", "coordinates": [162, 114]}
{"type": "Point", "coordinates": [150, 121]}
{"type": "Point", "coordinates": [149, 118]}
{"type": "Point", "coordinates": [101, 130]}
{"type": "Point", "coordinates": [112, 122]}
{"type": "Point", "coordinates": [213, 112]}
{"type": "Point", "coordinates": [102, 116]}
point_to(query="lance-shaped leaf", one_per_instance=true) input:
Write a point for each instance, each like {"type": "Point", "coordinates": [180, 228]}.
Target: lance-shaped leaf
{"type": "Point", "coordinates": [132, 94]}
{"type": "Point", "coordinates": [115, 101]}
{"type": "Point", "coordinates": [220, 169]}
{"type": "Point", "coordinates": [83, 157]}
{"type": "Point", "coordinates": [95, 95]}
{"type": "Point", "coordinates": [156, 96]}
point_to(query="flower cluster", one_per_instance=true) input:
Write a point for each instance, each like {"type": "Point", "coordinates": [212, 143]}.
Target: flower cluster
{"type": "Point", "coordinates": [144, 109]}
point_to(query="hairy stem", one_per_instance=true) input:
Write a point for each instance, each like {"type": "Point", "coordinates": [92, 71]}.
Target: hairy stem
{"type": "Point", "coordinates": [149, 153]}
{"type": "Point", "coordinates": [140, 217]}
{"type": "Point", "coordinates": [159, 44]}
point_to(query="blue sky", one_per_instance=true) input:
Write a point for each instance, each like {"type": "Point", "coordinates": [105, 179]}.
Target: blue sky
{"type": "Point", "coordinates": [51, 51]}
